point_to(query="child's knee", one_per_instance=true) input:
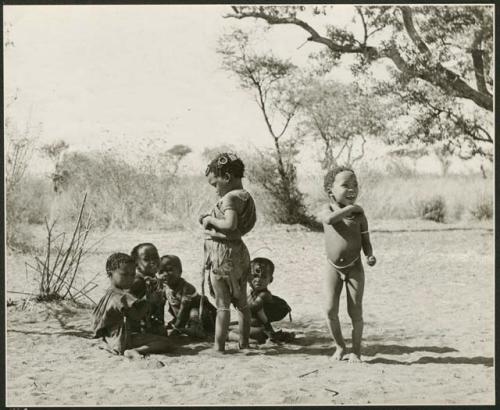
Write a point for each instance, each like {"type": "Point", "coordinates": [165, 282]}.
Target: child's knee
{"type": "Point", "coordinates": [355, 313]}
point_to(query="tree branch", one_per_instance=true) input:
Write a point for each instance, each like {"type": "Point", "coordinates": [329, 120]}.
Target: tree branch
{"type": "Point", "coordinates": [365, 29]}
{"type": "Point", "coordinates": [314, 35]}
{"type": "Point", "coordinates": [478, 63]}
{"type": "Point", "coordinates": [437, 75]}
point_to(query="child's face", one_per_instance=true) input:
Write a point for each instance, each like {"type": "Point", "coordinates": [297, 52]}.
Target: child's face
{"type": "Point", "coordinates": [170, 273]}
{"type": "Point", "coordinates": [260, 276]}
{"type": "Point", "coordinates": [345, 188]}
{"type": "Point", "coordinates": [123, 277]}
{"type": "Point", "coordinates": [220, 183]}
{"type": "Point", "coordinates": [147, 261]}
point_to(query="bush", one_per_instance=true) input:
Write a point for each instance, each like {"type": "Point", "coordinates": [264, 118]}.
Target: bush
{"type": "Point", "coordinates": [482, 209]}
{"type": "Point", "coordinates": [287, 201]}
{"type": "Point", "coordinates": [432, 209]}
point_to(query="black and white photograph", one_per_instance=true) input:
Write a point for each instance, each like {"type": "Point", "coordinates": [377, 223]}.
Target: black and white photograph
{"type": "Point", "coordinates": [249, 205]}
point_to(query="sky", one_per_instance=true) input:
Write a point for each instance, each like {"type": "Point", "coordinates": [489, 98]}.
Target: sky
{"type": "Point", "coordinates": [98, 76]}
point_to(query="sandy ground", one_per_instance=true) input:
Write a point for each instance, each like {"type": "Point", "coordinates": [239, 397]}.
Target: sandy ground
{"type": "Point", "coordinates": [429, 329]}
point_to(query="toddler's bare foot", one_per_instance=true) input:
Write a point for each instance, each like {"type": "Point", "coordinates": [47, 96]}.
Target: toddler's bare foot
{"type": "Point", "coordinates": [132, 354]}
{"type": "Point", "coordinates": [339, 353]}
{"type": "Point", "coordinates": [354, 358]}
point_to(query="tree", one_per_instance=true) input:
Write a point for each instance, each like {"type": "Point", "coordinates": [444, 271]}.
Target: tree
{"type": "Point", "coordinates": [341, 117]}
{"type": "Point", "coordinates": [176, 154]}
{"type": "Point", "coordinates": [269, 79]}
{"type": "Point", "coordinates": [440, 57]}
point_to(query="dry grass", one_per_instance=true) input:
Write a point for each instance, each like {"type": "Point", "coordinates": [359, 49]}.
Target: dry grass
{"type": "Point", "coordinates": [393, 197]}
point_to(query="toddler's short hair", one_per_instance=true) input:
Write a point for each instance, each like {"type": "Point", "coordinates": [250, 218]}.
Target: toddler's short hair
{"type": "Point", "coordinates": [226, 162]}
{"type": "Point", "coordinates": [172, 259]}
{"type": "Point", "coordinates": [134, 254]}
{"type": "Point", "coordinates": [331, 174]}
{"type": "Point", "coordinates": [115, 261]}
{"type": "Point", "coordinates": [265, 262]}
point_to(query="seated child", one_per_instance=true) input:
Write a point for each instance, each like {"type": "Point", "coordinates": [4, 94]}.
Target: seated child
{"type": "Point", "coordinates": [147, 259]}
{"type": "Point", "coordinates": [265, 307]}
{"type": "Point", "coordinates": [116, 315]}
{"type": "Point", "coordinates": [184, 301]}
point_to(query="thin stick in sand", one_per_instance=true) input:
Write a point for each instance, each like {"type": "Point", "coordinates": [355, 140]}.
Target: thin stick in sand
{"type": "Point", "coordinates": [311, 372]}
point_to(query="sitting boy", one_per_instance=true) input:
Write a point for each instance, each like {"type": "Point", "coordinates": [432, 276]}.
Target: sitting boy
{"type": "Point", "coordinates": [184, 301]}
{"type": "Point", "coordinates": [265, 307]}
{"type": "Point", "coordinates": [146, 285]}
{"type": "Point", "coordinates": [116, 316]}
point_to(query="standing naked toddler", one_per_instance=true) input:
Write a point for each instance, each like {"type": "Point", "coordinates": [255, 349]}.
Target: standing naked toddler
{"type": "Point", "coordinates": [346, 233]}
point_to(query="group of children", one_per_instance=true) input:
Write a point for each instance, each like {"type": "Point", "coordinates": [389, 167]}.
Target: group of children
{"type": "Point", "coordinates": [130, 316]}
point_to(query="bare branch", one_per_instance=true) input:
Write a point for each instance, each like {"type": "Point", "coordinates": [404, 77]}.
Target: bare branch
{"type": "Point", "coordinates": [365, 30]}
{"type": "Point", "coordinates": [412, 31]}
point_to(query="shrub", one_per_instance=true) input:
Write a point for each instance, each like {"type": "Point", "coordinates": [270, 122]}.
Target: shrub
{"type": "Point", "coordinates": [432, 209]}
{"type": "Point", "coordinates": [287, 200]}
{"type": "Point", "coordinates": [482, 209]}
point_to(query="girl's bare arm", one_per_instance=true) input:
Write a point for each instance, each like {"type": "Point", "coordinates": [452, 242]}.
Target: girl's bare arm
{"type": "Point", "coordinates": [227, 224]}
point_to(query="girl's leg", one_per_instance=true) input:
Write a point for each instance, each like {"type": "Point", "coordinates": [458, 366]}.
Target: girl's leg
{"type": "Point", "coordinates": [334, 288]}
{"type": "Point", "coordinates": [355, 285]}
{"type": "Point", "coordinates": [243, 315]}
{"type": "Point", "coordinates": [222, 301]}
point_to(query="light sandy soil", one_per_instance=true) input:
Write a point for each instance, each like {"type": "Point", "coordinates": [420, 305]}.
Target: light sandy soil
{"type": "Point", "coordinates": [429, 329]}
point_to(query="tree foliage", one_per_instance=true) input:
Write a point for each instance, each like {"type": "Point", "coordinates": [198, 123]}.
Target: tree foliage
{"type": "Point", "coordinates": [439, 57]}
{"type": "Point", "coordinates": [270, 80]}
{"type": "Point", "coordinates": [341, 117]}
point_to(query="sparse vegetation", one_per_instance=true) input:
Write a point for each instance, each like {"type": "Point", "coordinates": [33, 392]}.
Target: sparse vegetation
{"type": "Point", "coordinates": [482, 209]}
{"type": "Point", "coordinates": [432, 209]}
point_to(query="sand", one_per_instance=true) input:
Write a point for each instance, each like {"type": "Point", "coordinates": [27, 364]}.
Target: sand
{"type": "Point", "coordinates": [428, 339]}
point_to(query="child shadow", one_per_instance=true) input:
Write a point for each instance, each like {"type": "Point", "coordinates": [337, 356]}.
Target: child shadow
{"type": "Point", "coordinates": [481, 360]}
{"type": "Point", "coordinates": [72, 318]}
{"type": "Point", "coordinates": [372, 350]}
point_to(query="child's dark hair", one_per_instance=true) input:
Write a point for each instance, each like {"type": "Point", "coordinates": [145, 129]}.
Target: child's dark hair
{"type": "Point", "coordinates": [134, 254]}
{"type": "Point", "coordinates": [265, 262]}
{"type": "Point", "coordinates": [116, 260]}
{"type": "Point", "coordinates": [331, 174]}
{"type": "Point", "coordinates": [226, 162]}
{"type": "Point", "coordinates": [172, 259]}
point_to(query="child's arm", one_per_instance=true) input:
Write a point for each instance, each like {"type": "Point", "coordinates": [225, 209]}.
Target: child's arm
{"type": "Point", "coordinates": [329, 217]}
{"type": "Point", "coordinates": [136, 309]}
{"type": "Point", "coordinates": [182, 315]}
{"type": "Point", "coordinates": [228, 223]}
{"type": "Point", "coordinates": [268, 328]}
{"type": "Point", "coordinates": [365, 242]}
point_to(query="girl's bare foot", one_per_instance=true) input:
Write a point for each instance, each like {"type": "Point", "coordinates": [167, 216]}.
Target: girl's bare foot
{"type": "Point", "coordinates": [354, 358]}
{"type": "Point", "coordinates": [339, 353]}
{"type": "Point", "coordinates": [132, 354]}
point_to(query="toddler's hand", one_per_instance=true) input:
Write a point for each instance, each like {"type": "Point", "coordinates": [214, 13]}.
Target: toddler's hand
{"type": "Point", "coordinates": [371, 260]}
{"type": "Point", "coordinates": [202, 217]}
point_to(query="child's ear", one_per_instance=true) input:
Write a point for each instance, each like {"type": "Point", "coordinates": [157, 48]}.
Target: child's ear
{"type": "Point", "coordinates": [227, 176]}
